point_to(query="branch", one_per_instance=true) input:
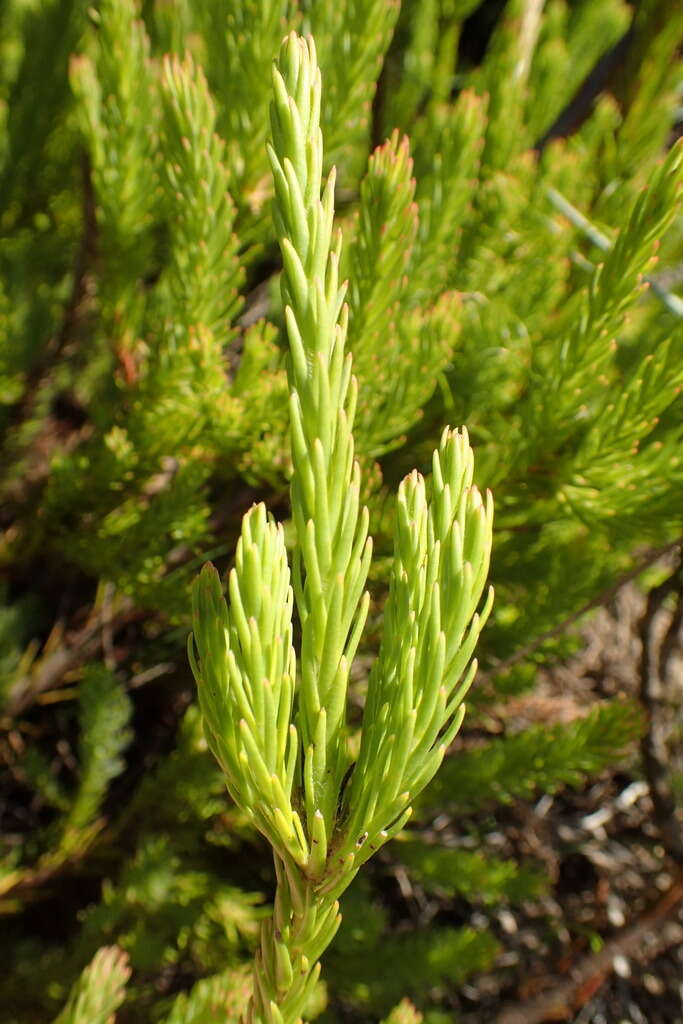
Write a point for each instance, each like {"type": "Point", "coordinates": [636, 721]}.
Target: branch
{"type": "Point", "coordinates": [80, 647]}
{"type": "Point", "coordinates": [654, 672]}
{"type": "Point", "coordinates": [597, 81]}
{"type": "Point", "coordinates": [26, 883]}
{"type": "Point", "coordinates": [669, 300]}
{"type": "Point", "coordinates": [640, 941]}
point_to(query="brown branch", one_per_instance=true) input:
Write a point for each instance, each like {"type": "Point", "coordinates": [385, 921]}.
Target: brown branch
{"type": "Point", "coordinates": [77, 649]}
{"type": "Point", "coordinates": [596, 82]}
{"type": "Point", "coordinates": [25, 883]}
{"type": "Point", "coordinates": [655, 657]}
{"type": "Point", "coordinates": [639, 941]}
{"type": "Point", "coordinates": [621, 68]}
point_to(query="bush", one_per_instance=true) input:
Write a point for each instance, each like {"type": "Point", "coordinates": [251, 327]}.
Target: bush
{"type": "Point", "coordinates": [512, 262]}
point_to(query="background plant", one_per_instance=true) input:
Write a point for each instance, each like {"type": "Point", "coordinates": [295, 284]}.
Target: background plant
{"type": "Point", "coordinates": [144, 409]}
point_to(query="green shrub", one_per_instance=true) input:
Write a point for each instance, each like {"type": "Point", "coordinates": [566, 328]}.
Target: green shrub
{"type": "Point", "coordinates": [507, 270]}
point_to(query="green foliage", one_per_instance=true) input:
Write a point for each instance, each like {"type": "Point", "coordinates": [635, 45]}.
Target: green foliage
{"type": "Point", "coordinates": [224, 995]}
{"type": "Point", "coordinates": [104, 714]}
{"type": "Point", "coordinates": [571, 41]}
{"type": "Point", "coordinates": [404, 1013]}
{"type": "Point", "coordinates": [399, 347]}
{"type": "Point", "coordinates": [163, 909]}
{"type": "Point", "coordinates": [99, 991]}
{"type": "Point", "coordinates": [204, 272]}
{"type": "Point", "coordinates": [15, 630]}
{"type": "Point", "coordinates": [277, 759]}
{"type": "Point", "coordinates": [463, 872]}
{"type": "Point", "coordinates": [353, 40]}
{"type": "Point", "coordinates": [103, 717]}
{"type": "Point", "coordinates": [538, 758]}
{"type": "Point", "coordinates": [116, 98]}
{"type": "Point", "coordinates": [361, 964]}
{"type": "Point", "coordinates": [513, 260]}
{"type": "Point", "coordinates": [241, 40]}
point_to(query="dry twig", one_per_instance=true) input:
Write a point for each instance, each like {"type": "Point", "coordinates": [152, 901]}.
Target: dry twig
{"type": "Point", "coordinates": [77, 649]}
{"type": "Point", "coordinates": [642, 940]}
{"type": "Point", "coordinates": [655, 686]}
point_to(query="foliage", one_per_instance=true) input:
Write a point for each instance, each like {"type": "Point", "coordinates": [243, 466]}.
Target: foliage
{"type": "Point", "coordinates": [512, 245]}
{"type": "Point", "coordinates": [536, 759]}
{"type": "Point", "coordinates": [463, 872]}
{"type": "Point", "coordinates": [99, 991]}
{"type": "Point", "coordinates": [276, 757]}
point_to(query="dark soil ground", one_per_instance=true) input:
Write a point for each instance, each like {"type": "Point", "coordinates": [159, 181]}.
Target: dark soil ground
{"type": "Point", "coordinates": [612, 876]}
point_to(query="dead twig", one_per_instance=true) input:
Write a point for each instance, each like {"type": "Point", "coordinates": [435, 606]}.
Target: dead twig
{"type": "Point", "coordinates": [77, 648]}
{"type": "Point", "coordinates": [641, 941]}
{"type": "Point", "coordinates": [655, 662]}
{"type": "Point", "coordinates": [26, 883]}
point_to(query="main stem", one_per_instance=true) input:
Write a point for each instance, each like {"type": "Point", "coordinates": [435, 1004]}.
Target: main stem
{"type": "Point", "coordinates": [287, 966]}
{"type": "Point", "coordinates": [333, 550]}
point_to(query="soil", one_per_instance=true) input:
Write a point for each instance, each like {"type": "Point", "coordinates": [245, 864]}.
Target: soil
{"type": "Point", "coordinates": [603, 847]}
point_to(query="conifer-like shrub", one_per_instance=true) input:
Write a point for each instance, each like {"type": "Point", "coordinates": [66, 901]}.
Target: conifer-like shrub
{"type": "Point", "coordinates": [240, 303]}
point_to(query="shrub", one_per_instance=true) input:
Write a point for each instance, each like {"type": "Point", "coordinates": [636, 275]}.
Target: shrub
{"type": "Point", "coordinates": [509, 268]}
